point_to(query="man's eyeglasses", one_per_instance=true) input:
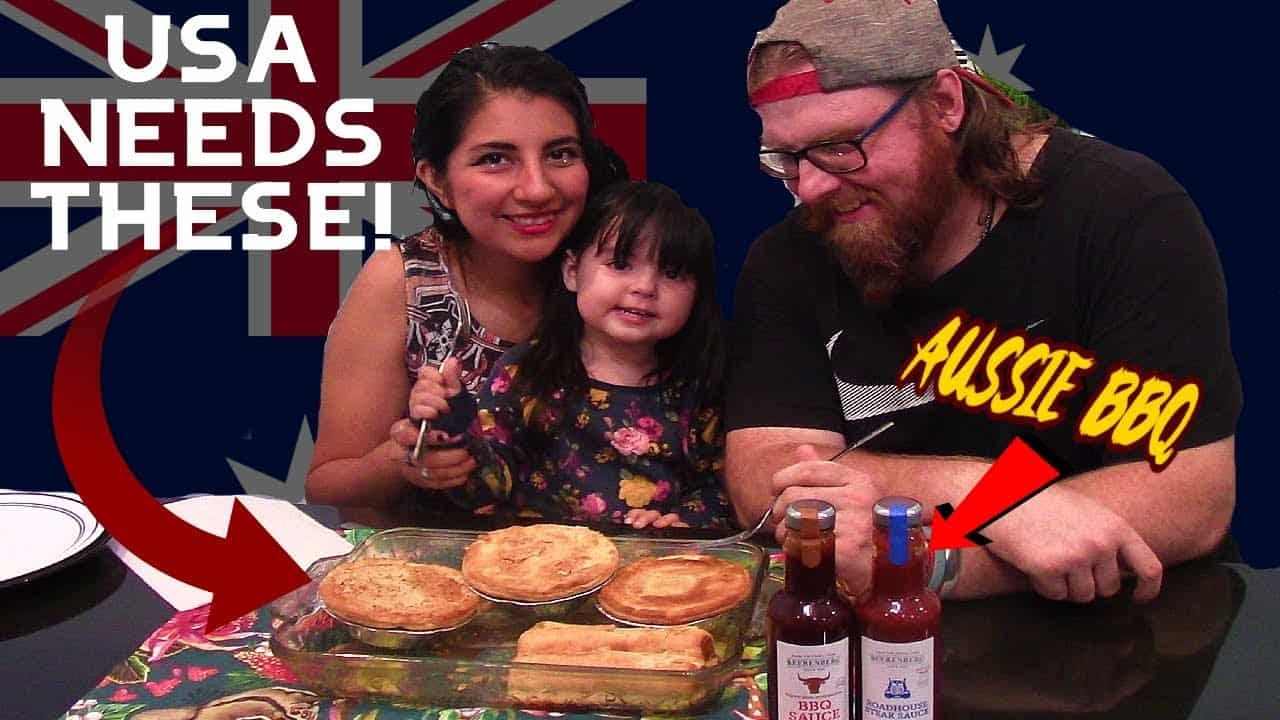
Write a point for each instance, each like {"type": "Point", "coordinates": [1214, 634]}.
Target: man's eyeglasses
{"type": "Point", "coordinates": [835, 156]}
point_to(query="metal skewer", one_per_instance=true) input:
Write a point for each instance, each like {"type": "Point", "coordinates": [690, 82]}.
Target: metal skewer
{"type": "Point", "coordinates": [865, 439]}
{"type": "Point", "coordinates": [745, 534]}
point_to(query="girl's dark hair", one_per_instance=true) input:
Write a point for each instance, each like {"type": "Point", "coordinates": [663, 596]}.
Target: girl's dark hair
{"type": "Point", "coordinates": [445, 108]}
{"type": "Point", "coordinates": [626, 214]}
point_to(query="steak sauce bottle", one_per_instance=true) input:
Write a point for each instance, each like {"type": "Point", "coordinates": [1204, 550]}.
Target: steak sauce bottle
{"type": "Point", "coordinates": [899, 620]}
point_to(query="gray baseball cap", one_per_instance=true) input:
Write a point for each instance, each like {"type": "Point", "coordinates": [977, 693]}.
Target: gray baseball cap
{"type": "Point", "coordinates": [864, 42]}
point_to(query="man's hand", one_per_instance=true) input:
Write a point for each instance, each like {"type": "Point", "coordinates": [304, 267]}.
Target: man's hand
{"type": "Point", "coordinates": [1072, 547]}
{"type": "Point", "coordinates": [851, 492]}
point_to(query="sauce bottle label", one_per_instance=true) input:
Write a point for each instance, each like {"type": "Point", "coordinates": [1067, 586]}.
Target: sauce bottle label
{"type": "Point", "coordinates": [813, 681]}
{"type": "Point", "coordinates": [897, 680]}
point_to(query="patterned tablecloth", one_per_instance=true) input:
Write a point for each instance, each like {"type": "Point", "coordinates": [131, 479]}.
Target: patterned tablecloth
{"type": "Point", "coordinates": [182, 673]}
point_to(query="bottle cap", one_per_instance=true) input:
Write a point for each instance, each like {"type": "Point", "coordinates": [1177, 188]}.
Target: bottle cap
{"type": "Point", "coordinates": [820, 510]}
{"type": "Point", "coordinates": [896, 506]}
{"type": "Point", "coordinates": [899, 515]}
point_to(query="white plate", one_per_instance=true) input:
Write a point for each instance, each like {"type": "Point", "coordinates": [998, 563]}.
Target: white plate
{"type": "Point", "coordinates": [41, 532]}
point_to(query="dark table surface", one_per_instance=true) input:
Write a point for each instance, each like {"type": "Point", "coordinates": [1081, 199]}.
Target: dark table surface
{"type": "Point", "coordinates": [1208, 647]}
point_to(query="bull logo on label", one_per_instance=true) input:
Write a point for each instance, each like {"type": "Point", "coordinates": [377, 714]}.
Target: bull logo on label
{"type": "Point", "coordinates": [897, 689]}
{"type": "Point", "coordinates": [814, 683]}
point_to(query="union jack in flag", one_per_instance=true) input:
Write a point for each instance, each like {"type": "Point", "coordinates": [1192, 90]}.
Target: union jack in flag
{"type": "Point", "coordinates": [389, 54]}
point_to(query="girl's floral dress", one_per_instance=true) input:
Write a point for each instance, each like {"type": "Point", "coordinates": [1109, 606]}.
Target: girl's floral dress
{"type": "Point", "coordinates": [612, 450]}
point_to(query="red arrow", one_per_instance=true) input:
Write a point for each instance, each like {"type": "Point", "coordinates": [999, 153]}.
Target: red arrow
{"type": "Point", "coordinates": [1015, 476]}
{"type": "Point", "coordinates": [245, 571]}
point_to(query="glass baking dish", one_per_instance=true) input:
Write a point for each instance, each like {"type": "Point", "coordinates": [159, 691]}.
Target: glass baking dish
{"type": "Point", "coordinates": [472, 666]}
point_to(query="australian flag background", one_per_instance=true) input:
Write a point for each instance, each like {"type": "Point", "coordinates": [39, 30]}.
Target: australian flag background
{"type": "Point", "coordinates": [211, 364]}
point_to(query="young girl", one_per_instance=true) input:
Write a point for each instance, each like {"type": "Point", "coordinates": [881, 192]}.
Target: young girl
{"type": "Point", "coordinates": [612, 411]}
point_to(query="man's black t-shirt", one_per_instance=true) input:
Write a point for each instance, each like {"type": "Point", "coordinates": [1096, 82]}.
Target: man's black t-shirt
{"type": "Point", "coordinates": [1115, 260]}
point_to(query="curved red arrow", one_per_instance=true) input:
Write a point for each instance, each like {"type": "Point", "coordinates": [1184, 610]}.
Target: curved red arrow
{"type": "Point", "coordinates": [1012, 479]}
{"type": "Point", "coordinates": [245, 571]}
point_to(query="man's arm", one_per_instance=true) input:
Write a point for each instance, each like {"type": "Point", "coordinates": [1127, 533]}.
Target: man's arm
{"type": "Point", "coordinates": [1182, 512]}
{"type": "Point", "coordinates": [754, 455]}
{"type": "Point", "coordinates": [779, 369]}
{"type": "Point", "coordinates": [1094, 521]}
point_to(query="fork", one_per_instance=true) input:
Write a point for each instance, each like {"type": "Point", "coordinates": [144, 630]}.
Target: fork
{"type": "Point", "coordinates": [745, 534]}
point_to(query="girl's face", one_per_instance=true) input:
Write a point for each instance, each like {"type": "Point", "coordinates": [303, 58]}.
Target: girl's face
{"type": "Point", "coordinates": [517, 179]}
{"type": "Point", "coordinates": [632, 302]}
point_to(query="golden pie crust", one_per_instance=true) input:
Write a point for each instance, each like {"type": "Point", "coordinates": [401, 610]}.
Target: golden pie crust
{"type": "Point", "coordinates": [680, 650]}
{"type": "Point", "coordinates": [675, 589]}
{"type": "Point", "coordinates": [539, 562]}
{"type": "Point", "coordinates": [553, 643]}
{"type": "Point", "coordinates": [391, 593]}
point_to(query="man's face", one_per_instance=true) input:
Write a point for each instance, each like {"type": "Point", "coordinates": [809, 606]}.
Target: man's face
{"type": "Point", "coordinates": [877, 220]}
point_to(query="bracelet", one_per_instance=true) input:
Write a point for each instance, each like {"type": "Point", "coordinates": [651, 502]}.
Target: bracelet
{"type": "Point", "coordinates": [953, 569]}
{"type": "Point", "coordinates": [946, 566]}
{"type": "Point", "coordinates": [938, 576]}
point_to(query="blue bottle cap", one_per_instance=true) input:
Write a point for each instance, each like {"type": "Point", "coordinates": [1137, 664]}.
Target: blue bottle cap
{"type": "Point", "coordinates": [899, 514]}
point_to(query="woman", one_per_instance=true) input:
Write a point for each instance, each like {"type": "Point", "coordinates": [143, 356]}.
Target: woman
{"type": "Point", "coordinates": [503, 148]}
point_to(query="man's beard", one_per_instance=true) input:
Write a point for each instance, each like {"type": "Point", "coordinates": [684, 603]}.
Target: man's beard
{"type": "Point", "coordinates": [879, 255]}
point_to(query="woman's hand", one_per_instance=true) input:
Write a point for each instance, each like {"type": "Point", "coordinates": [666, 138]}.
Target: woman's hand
{"type": "Point", "coordinates": [639, 518]}
{"type": "Point", "coordinates": [438, 468]}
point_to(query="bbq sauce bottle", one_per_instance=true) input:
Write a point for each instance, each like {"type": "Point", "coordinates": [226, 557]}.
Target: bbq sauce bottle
{"type": "Point", "coordinates": [810, 627]}
{"type": "Point", "coordinates": [899, 620]}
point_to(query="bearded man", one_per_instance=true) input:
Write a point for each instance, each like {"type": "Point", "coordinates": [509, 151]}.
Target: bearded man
{"type": "Point", "coordinates": [923, 192]}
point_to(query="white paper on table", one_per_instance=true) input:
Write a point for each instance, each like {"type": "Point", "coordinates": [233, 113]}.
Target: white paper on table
{"type": "Point", "coordinates": [302, 538]}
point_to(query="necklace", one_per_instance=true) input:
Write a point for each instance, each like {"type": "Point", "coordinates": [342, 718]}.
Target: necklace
{"type": "Point", "coordinates": [988, 218]}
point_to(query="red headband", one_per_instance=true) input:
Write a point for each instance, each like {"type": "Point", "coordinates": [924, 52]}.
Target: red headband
{"type": "Point", "coordinates": [787, 86]}
{"type": "Point", "coordinates": [806, 83]}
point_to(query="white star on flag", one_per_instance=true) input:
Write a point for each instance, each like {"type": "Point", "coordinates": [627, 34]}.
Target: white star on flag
{"type": "Point", "coordinates": [294, 487]}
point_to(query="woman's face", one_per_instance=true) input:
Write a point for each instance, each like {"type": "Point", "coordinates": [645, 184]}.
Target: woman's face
{"type": "Point", "coordinates": [517, 179]}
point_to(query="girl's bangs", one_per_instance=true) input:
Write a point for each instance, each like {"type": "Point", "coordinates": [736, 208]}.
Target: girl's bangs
{"type": "Point", "coordinates": [679, 238]}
